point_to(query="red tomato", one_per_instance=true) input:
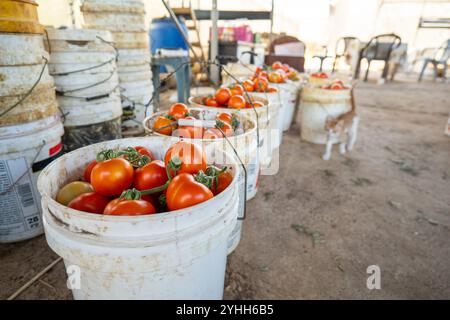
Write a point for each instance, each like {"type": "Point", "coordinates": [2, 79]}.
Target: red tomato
{"type": "Point", "coordinates": [258, 70]}
{"type": "Point", "coordinates": [162, 125]}
{"type": "Point", "coordinates": [261, 84]}
{"type": "Point", "coordinates": [226, 128]}
{"type": "Point", "coordinates": [272, 89]}
{"type": "Point", "coordinates": [263, 74]}
{"type": "Point", "coordinates": [277, 65]}
{"type": "Point", "coordinates": [89, 202]}
{"type": "Point", "coordinates": [185, 192]}
{"type": "Point", "coordinates": [145, 152]}
{"type": "Point", "coordinates": [211, 102]}
{"type": "Point", "coordinates": [87, 171]}
{"type": "Point", "coordinates": [192, 157]}
{"type": "Point", "coordinates": [236, 102]}
{"type": "Point", "coordinates": [191, 132]}
{"type": "Point", "coordinates": [111, 177]}
{"type": "Point", "coordinates": [222, 96]}
{"type": "Point", "coordinates": [256, 104]}
{"type": "Point", "coordinates": [237, 89]}
{"type": "Point", "coordinates": [225, 117]}
{"type": "Point", "coordinates": [150, 176]}
{"type": "Point", "coordinates": [336, 86]}
{"type": "Point", "coordinates": [178, 110]}
{"type": "Point", "coordinates": [129, 208]}
{"type": "Point", "coordinates": [224, 180]}
{"type": "Point", "coordinates": [248, 85]}
{"type": "Point", "coordinates": [275, 77]}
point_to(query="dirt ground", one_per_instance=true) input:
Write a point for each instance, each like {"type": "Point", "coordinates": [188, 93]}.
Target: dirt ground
{"type": "Point", "coordinates": [315, 227]}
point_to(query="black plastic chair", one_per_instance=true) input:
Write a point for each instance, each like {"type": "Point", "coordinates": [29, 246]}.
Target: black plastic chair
{"type": "Point", "coordinates": [441, 57]}
{"type": "Point", "coordinates": [342, 46]}
{"type": "Point", "coordinates": [322, 56]}
{"type": "Point", "coordinates": [378, 48]}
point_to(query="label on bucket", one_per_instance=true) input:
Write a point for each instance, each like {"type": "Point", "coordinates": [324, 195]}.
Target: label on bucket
{"type": "Point", "coordinates": [19, 207]}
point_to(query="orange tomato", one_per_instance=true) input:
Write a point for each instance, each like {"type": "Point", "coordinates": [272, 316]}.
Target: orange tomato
{"type": "Point", "coordinates": [272, 89]}
{"type": "Point", "coordinates": [192, 132]}
{"type": "Point", "coordinates": [163, 125]}
{"type": "Point", "coordinates": [224, 180]}
{"type": "Point", "coordinates": [277, 65]}
{"type": "Point", "coordinates": [192, 157]}
{"type": "Point", "coordinates": [261, 84]}
{"type": "Point", "coordinates": [236, 102]}
{"type": "Point", "coordinates": [226, 128]}
{"type": "Point", "coordinates": [237, 89]}
{"type": "Point", "coordinates": [248, 85]}
{"type": "Point", "coordinates": [225, 117]}
{"type": "Point", "coordinates": [178, 110]}
{"type": "Point", "coordinates": [211, 102]}
{"type": "Point", "coordinates": [276, 77]}
{"type": "Point", "coordinates": [222, 96]}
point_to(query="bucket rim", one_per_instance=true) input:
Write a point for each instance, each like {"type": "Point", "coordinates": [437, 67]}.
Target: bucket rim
{"type": "Point", "coordinates": [138, 218]}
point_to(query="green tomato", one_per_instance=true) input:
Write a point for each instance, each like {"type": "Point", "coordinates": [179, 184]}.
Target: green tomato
{"type": "Point", "coordinates": [72, 190]}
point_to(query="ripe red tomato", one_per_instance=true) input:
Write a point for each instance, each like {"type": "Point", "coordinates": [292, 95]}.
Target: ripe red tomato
{"type": "Point", "coordinates": [256, 104]}
{"type": "Point", "coordinates": [275, 77]}
{"type": "Point", "coordinates": [191, 132]}
{"type": "Point", "coordinates": [192, 157]}
{"type": "Point", "coordinates": [87, 171]}
{"type": "Point", "coordinates": [124, 207]}
{"type": "Point", "coordinates": [258, 70]}
{"type": "Point", "coordinates": [150, 176]}
{"type": "Point", "coordinates": [91, 202]}
{"type": "Point", "coordinates": [225, 117]}
{"type": "Point", "coordinates": [237, 89]}
{"type": "Point", "coordinates": [145, 152]}
{"type": "Point", "coordinates": [236, 102]}
{"type": "Point", "coordinates": [226, 128]}
{"type": "Point", "coordinates": [248, 85]}
{"type": "Point", "coordinates": [222, 96]}
{"type": "Point", "coordinates": [178, 110]}
{"type": "Point", "coordinates": [162, 125]}
{"type": "Point", "coordinates": [211, 102]}
{"type": "Point", "coordinates": [336, 86]}
{"type": "Point", "coordinates": [272, 89]}
{"type": "Point", "coordinates": [111, 177]}
{"type": "Point", "coordinates": [224, 180]}
{"type": "Point", "coordinates": [277, 65]}
{"type": "Point", "coordinates": [185, 192]}
{"type": "Point", "coordinates": [261, 84]}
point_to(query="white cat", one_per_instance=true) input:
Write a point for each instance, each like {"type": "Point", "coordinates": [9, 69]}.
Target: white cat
{"type": "Point", "coordinates": [343, 130]}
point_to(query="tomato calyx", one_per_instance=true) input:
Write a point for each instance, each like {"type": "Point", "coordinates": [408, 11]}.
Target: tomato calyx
{"type": "Point", "coordinates": [234, 122]}
{"type": "Point", "coordinates": [210, 178]}
{"type": "Point", "coordinates": [136, 159]}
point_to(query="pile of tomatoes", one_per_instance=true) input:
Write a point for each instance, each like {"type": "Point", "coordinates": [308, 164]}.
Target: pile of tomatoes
{"type": "Point", "coordinates": [321, 75]}
{"type": "Point", "coordinates": [132, 182]}
{"type": "Point", "coordinates": [232, 97]}
{"type": "Point", "coordinates": [335, 85]}
{"type": "Point", "coordinates": [167, 124]}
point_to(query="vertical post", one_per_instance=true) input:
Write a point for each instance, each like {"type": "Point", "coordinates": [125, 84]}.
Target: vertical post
{"type": "Point", "coordinates": [271, 22]}
{"type": "Point", "coordinates": [214, 70]}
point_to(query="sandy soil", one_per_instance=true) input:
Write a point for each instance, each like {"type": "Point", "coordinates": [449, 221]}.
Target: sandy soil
{"type": "Point", "coordinates": [315, 227]}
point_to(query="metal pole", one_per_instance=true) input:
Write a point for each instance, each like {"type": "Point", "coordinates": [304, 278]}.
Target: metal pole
{"type": "Point", "coordinates": [177, 24]}
{"type": "Point", "coordinates": [214, 70]}
{"type": "Point", "coordinates": [271, 22]}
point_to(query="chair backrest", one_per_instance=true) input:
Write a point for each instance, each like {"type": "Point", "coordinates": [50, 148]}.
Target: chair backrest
{"type": "Point", "coordinates": [381, 46]}
{"type": "Point", "coordinates": [283, 40]}
{"type": "Point", "coordinates": [443, 53]}
{"type": "Point", "coordinates": [342, 45]}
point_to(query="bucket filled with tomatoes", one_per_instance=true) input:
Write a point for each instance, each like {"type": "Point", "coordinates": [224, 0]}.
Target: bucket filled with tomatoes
{"type": "Point", "coordinates": [318, 103]}
{"type": "Point", "coordinates": [210, 128]}
{"type": "Point", "coordinates": [231, 132]}
{"type": "Point", "coordinates": [256, 108]}
{"type": "Point", "coordinates": [142, 218]}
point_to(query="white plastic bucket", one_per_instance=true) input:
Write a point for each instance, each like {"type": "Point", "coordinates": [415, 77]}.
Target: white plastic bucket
{"type": "Point", "coordinates": [289, 93]}
{"type": "Point", "coordinates": [118, 21]}
{"type": "Point", "coordinates": [133, 57]}
{"type": "Point", "coordinates": [267, 137]}
{"type": "Point", "coordinates": [130, 6]}
{"type": "Point", "coordinates": [131, 40]}
{"type": "Point", "coordinates": [175, 255]}
{"type": "Point", "coordinates": [21, 49]}
{"type": "Point", "coordinates": [316, 105]}
{"type": "Point", "coordinates": [16, 80]}
{"type": "Point", "coordinates": [24, 150]}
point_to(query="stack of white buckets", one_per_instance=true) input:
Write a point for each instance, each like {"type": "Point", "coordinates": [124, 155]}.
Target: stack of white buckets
{"type": "Point", "coordinates": [83, 64]}
{"type": "Point", "coordinates": [30, 132]}
{"type": "Point", "coordinates": [126, 21]}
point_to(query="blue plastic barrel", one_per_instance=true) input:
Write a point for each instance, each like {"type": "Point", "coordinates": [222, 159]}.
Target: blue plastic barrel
{"type": "Point", "coordinates": [165, 35]}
